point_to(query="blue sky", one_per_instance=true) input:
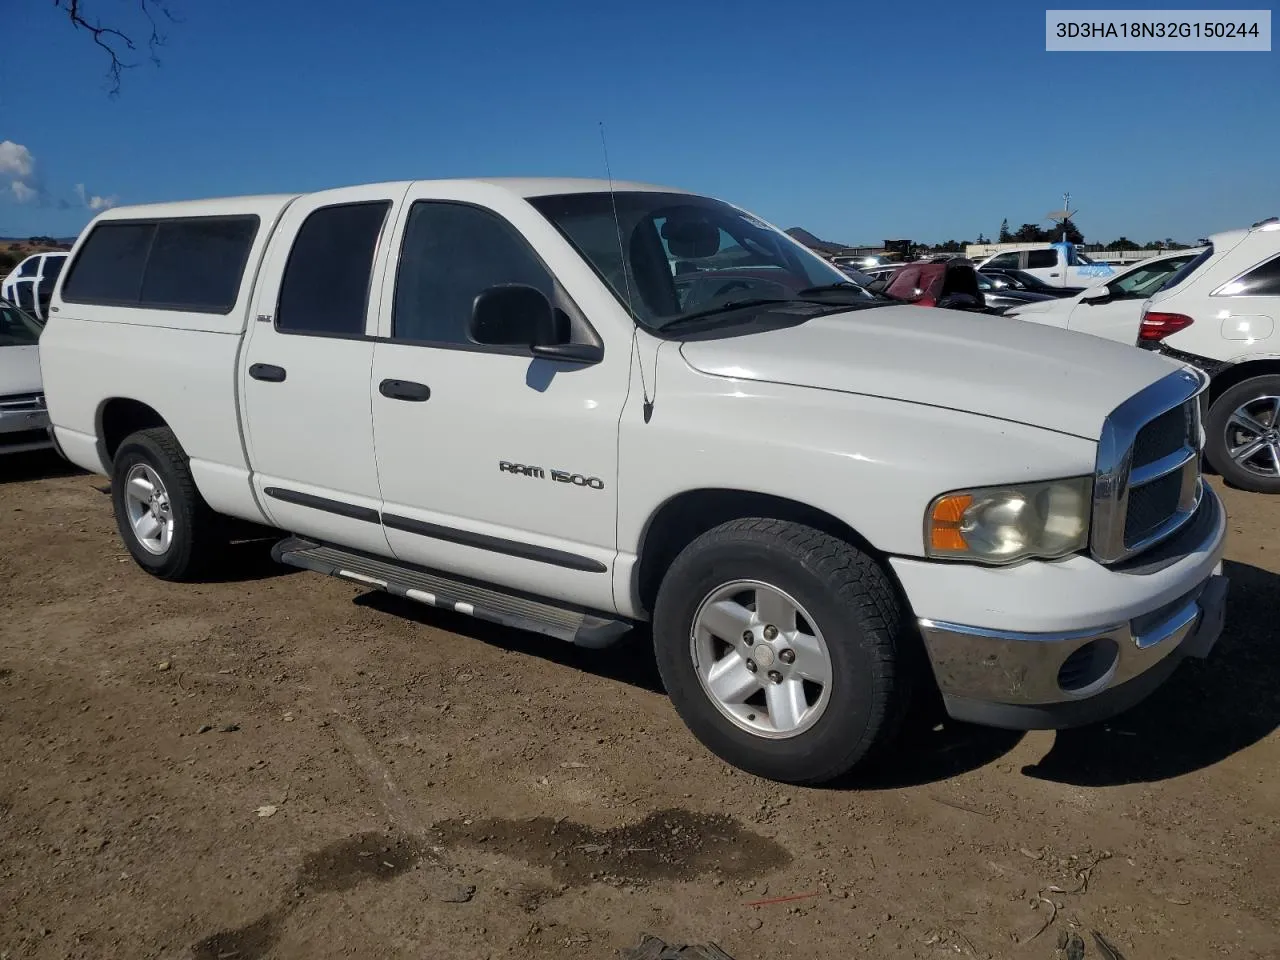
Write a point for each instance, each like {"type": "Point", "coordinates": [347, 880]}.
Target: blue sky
{"type": "Point", "coordinates": [858, 121]}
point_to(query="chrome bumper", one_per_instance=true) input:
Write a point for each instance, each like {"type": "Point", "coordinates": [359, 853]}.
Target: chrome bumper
{"type": "Point", "coordinates": [22, 430]}
{"type": "Point", "coordinates": [1047, 681]}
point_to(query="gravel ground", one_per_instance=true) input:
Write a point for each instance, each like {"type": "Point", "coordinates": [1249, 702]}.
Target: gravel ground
{"type": "Point", "coordinates": [284, 765]}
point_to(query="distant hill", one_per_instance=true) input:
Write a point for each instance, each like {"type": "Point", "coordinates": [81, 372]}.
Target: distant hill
{"type": "Point", "coordinates": [59, 241]}
{"type": "Point", "coordinates": [812, 242]}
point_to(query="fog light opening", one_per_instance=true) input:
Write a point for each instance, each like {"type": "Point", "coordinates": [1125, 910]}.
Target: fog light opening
{"type": "Point", "coordinates": [1089, 668]}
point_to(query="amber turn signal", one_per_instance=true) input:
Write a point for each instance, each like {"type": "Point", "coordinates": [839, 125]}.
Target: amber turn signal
{"type": "Point", "coordinates": [944, 523]}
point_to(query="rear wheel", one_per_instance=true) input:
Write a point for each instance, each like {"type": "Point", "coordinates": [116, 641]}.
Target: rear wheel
{"type": "Point", "coordinates": [165, 524]}
{"type": "Point", "coordinates": [781, 647]}
{"type": "Point", "coordinates": [1242, 434]}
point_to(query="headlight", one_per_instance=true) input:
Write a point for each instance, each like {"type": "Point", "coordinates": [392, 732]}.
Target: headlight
{"type": "Point", "coordinates": [1009, 523]}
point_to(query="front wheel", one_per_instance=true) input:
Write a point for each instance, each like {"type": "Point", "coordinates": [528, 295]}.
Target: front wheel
{"type": "Point", "coordinates": [782, 649]}
{"type": "Point", "coordinates": [1242, 434]}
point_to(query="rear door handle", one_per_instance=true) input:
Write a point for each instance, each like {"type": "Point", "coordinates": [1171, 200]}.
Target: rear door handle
{"type": "Point", "coordinates": [268, 372]}
{"type": "Point", "coordinates": [404, 390]}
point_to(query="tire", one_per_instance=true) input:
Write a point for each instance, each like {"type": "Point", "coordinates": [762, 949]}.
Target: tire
{"type": "Point", "coordinates": [847, 602]}
{"type": "Point", "coordinates": [193, 542]}
{"type": "Point", "coordinates": [1223, 433]}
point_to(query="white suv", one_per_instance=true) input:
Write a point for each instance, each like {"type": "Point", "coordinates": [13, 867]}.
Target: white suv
{"type": "Point", "coordinates": [1219, 312]}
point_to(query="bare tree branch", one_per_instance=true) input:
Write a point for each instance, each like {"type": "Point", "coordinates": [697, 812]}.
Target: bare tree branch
{"type": "Point", "coordinates": [119, 45]}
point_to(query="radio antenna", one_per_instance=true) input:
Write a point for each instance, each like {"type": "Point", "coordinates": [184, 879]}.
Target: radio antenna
{"type": "Point", "coordinates": [626, 277]}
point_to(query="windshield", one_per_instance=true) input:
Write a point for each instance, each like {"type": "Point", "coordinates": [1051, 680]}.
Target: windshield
{"type": "Point", "coordinates": [1146, 278]}
{"type": "Point", "coordinates": [18, 329]}
{"type": "Point", "coordinates": [672, 256]}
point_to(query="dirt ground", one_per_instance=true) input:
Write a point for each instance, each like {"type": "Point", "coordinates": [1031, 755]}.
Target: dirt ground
{"type": "Point", "coordinates": [284, 765]}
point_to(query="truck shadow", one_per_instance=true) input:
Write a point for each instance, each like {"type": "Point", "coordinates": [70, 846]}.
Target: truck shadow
{"type": "Point", "coordinates": [629, 661]}
{"type": "Point", "coordinates": [1207, 711]}
{"type": "Point", "coordinates": [35, 465]}
{"type": "Point", "coordinates": [932, 748]}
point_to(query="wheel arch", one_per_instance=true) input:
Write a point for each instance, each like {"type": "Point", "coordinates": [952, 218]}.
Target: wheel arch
{"type": "Point", "coordinates": [683, 518]}
{"type": "Point", "coordinates": [116, 418]}
{"type": "Point", "coordinates": [1236, 373]}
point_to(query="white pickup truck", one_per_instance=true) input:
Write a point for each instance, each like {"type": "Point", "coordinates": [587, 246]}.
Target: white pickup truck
{"type": "Point", "coordinates": [570, 407]}
{"type": "Point", "coordinates": [1057, 264]}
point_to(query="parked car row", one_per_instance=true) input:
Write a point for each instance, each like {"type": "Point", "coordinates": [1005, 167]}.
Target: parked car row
{"type": "Point", "coordinates": [574, 406]}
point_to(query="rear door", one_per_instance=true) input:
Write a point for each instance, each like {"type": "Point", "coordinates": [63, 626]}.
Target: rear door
{"type": "Point", "coordinates": [305, 371]}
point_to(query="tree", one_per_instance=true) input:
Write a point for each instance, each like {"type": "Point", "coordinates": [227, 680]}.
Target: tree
{"type": "Point", "coordinates": [1028, 233]}
{"type": "Point", "coordinates": [1005, 235]}
{"type": "Point", "coordinates": [1073, 233]}
{"type": "Point", "coordinates": [119, 42]}
{"type": "Point", "coordinates": [981, 239]}
{"type": "Point", "coordinates": [1124, 243]}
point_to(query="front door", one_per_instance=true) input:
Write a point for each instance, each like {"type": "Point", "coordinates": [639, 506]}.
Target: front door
{"type": "Point", "coordinates": [305, 376]}
{"type": "Point", "coordinates": [495, 464]}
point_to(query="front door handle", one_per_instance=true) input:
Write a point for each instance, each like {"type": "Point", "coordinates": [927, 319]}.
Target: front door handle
{"type": "Point", "coordinates": [404, 390]}
{"type": "Point", "coordinates": [268, 372]}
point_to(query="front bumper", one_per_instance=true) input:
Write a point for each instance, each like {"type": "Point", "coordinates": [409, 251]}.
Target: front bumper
{"type": "Point", "coordinates": [1045, 681]}
{"type": "Point", "coordinates": [1084, 642]}
{"type": "Point", "coordinates": [23, 430]}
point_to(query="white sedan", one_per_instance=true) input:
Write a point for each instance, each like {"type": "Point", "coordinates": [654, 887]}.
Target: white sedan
{"type": "Point", "coordinates": [24, 420]}
{"type": "Point", "coordinates": [1113, 309]}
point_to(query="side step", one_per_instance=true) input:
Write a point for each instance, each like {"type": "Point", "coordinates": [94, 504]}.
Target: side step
{"type": "Point", "coordinates": [485, 603]}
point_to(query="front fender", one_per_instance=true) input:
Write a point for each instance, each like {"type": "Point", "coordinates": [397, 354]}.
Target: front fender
{"type": "Point", "coordinates": [874, 464]}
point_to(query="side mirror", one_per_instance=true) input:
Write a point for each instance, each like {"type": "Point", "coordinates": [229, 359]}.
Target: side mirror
{"type": "Point", "coordinates": [516, 315]}
{"type": "Point", "coordinates": [1096, 295]}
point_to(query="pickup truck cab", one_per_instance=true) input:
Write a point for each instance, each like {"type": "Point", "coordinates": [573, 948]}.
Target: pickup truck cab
{"type": "Point", "coordinates": [1057, 264]}
{"type": "Point", "coordinates": [493, 396]}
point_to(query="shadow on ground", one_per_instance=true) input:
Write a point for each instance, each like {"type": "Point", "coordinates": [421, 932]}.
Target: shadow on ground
{"type": "Point", "coordinates": [35, 465]}
{"type": "Point", "coordinates": [930, 749]}
{"type": "Point", "coordinates": [1206, 712]}
{"type": "Point", "coordinates": [630, 661]}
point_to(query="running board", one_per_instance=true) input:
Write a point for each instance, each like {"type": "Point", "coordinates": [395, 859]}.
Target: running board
{"type": "Point", "coordinates": [484, 603]}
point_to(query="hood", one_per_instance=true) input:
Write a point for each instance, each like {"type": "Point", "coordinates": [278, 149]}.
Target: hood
{"type": "Point", "coordinates": [1062, 305]}
{"type": "Point", "coordinates": [19, 370]}
{"type": "Point", "coordinates": [982, 364]}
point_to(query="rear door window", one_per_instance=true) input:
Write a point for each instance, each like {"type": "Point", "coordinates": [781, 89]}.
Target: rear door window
{"type": "Point", "coordinates": [1261, 281]}
{"type": "Point", "coordinates": [325, 288]}
{"type": "Point", "coordinates": [1041, 259]}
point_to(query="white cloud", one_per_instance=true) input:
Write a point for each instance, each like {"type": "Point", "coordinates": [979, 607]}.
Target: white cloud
{"type": "Point", "coordinates": [19, 178]}
{"type": "Point", "coordinates": [16, 160]}
{"type": "Point", "coordinates": [93, 201]}
{"type": "Point", "coordinates": [18, 166]}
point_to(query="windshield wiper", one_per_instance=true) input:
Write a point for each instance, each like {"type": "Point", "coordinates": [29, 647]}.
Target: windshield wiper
{"type": "Point", "coordinates": [729, 307]}
{"type": "Point", "coordinates": [839, 285]}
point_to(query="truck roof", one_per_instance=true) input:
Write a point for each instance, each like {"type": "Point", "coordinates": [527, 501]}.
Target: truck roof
{"type": "Point", "coordinates": [268, 205]}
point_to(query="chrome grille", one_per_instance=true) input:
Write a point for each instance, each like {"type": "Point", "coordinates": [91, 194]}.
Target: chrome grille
{"type": "Point", "coordinates": [22, 403]}
{"type": "Point", "coordinates": [1147, 483]}
{"type": "Point", "coordinates": [1150, 506]}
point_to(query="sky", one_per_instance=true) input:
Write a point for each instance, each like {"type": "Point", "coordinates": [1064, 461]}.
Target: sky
{"type": "Point", "coordinates": [858, 121]}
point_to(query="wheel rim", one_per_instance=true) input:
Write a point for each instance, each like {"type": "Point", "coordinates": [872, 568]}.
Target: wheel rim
{"type": "Point", "coordinates": [150, 513]}
{"type": "Point", "coordinates": [761, 659]}
{"type": "Point", "coordinates": [1253, 436]}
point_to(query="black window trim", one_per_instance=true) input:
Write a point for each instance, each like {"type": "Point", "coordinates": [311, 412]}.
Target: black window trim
{"type": "Point", "coordinates": [1217, 292]}
{"type": "Point", "coordinates": [137, 304]}
{"type": "Point", "coordinates": [562, 298]}
{"type": "Point", "coordinates": [389, 203]}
